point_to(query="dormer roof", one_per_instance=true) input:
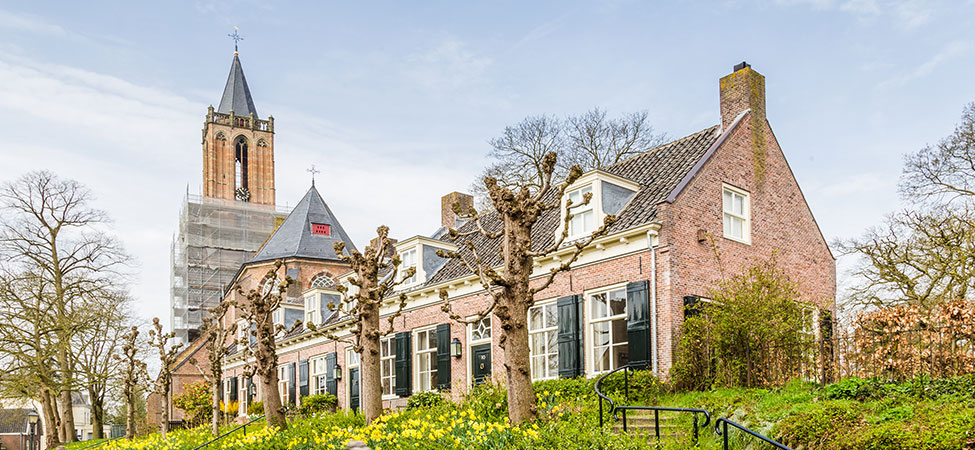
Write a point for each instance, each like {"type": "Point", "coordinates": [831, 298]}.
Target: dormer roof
{"type": "Point", "coordinates": [301, 234]}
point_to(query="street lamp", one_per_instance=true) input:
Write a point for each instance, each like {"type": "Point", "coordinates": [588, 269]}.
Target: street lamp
{"type": "Point", "coordinates": [32, 419]}
{"type": "Point", "coordinates": [338, 372]}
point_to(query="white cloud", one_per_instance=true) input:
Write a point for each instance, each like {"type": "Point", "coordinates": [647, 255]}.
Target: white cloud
{"type": "Point", "coordinates": [906, 14]}
{"type": "Point", "coordinates": [30, 24]}
{"type": "Point", "coordinates": [451, 65]}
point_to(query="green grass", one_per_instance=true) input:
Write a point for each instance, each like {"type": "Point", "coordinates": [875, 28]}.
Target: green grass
{"type": "Point", "coordinates": [82, 444]}
{"type": "Point", "coordinates": [852, 415]}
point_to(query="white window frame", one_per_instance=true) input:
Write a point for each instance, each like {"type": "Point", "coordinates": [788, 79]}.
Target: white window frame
{"type": "Point", "coordinates": [243, 332]}
{"type": "Point", "coordinates": [579, 209]}
{"type": "Point", "coordinates": [418, 374]}
{"type": "Point", "coordinates": [591, 321]}
{"type": "Point", "coordinates": [278, 316]}
{"type": "Point", "coordinates": [283, 383]}
{"type": "Point", "coordinates": [312, 312]}
{"type": "Point", "coordinates": [387, 357]}
{"type": "Point", "coordinates": [414, 251]}
{"type": "Point", "coordinates": [316, 374]}
{"type": "Point", "coordinates": [729, 214]}
{"type": "Point", "coordinates": [595, 180]}
{"type": "Point", "coordinates": [542, 305]}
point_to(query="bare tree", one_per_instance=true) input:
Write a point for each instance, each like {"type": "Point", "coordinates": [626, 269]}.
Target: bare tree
{"type": "Point", "coordinates": [49, 224]}
{"type": "Point", "coordinates": [590, 141]}
{"type": "Point", "coordinates": [97, 342]}
{"type": "Point", "coordinates": [134, 375]}
{"type": "Point", "coordinates": [167, 357]}
{"type": "Point", "coordinates": [510, 287]}
{"type": "Point", "coordinates": [217, 338]}
{"type": "Point", "coordinates": [374, 275]}
{"type": "Point", "coordinates": [924, 255]}
{"type": "Point", "coordinates": [257, 308]}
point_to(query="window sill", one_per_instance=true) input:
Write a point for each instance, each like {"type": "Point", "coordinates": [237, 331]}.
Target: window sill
{"type": "Point", "coordinates": [390, 397]}
{"type": "Point", "coordinates": [740, 241]}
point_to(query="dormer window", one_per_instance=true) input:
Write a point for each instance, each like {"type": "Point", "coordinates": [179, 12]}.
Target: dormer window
{"type": "Point", "coordinates": [421, 253]}
{"type": "Point", "coordinates": [287, 316]}
{"type": "Point", "coordinates": [583, 219]}
{"type": "Point", "coordinates": [610, 194]}
{"type": "Point", "coordinates": [312, 314]}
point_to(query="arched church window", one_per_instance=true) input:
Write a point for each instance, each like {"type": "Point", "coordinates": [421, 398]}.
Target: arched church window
{"type": "Point", "coordinates": [322, 281]}
{"type": "Point", "coordinates": [240, 169]}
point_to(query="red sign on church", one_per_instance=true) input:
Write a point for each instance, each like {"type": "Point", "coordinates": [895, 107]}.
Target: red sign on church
{"type": "Point", "coordinates": [321, 228]}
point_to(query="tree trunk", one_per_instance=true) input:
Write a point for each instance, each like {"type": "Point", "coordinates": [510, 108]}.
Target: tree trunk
{"type": "Point", "coordinates": [97, 416]}
{"type": "Point", "coordinates": [517, 365]}
{"type": "Point", "coordinates": [52, 426]}
{"type": "Point", "coordinates": [215, 407]}
{"type": "Point", "coordinates": [130, 415]}
{"type": "Point", "coordinates": [67, 415]}
{"type": "Point", "coordinates": [370, 375]}
{"type": "Point", "coordinates": [164, 411]}
{"type": "Point", "coordinates": [273, 412]}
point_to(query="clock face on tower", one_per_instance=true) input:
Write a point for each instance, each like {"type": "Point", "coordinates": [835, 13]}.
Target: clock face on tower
{"type": "Point", "coordinates": [242, 194]}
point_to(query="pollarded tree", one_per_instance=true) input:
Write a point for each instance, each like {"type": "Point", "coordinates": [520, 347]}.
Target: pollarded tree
{"type": "Point", "coordinates": [134, 375]}
{"type": "Point", "coordinates": [97, 341]}
{"type": "Point", "coordinates": [257, 308]}
{"type": "Point", "coordinates": [510, 287]}
{"type": "Point", "coordinates": [374, 275]}
{"type": "Point", "coordinates": [164, 381]}
{"type": "Point", "coordinates": [217, 338]}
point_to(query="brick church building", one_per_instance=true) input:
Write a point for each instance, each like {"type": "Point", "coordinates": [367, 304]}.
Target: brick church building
{"type": "Point", "coordinates": [726, 190]}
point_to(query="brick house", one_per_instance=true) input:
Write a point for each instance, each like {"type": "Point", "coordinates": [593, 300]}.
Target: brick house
{"type": "Point", "coordinates": [726, 190]}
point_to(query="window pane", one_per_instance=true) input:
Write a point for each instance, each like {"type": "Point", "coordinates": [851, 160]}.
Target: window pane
{"type": "Point", "coordinates": [431, 340]}
{"type": "Point", "coordinates": [598, 306]}
{"type": "Point", "coordinates": [587, 222]}
{"type": "Point", "coordinates": [726, 200]}
{"type": "Point", "coordinates": [553, 365]}
{"type": "Point", "coordinates": [601, 358]}
{"type": "Point", "coordinates": [551, 315]}
{"type": "Point", "coordinates": [538, 366]}
{"type": "Point", "coordinates": [736, 228]}
{"type": "Point", "coordinates": [727, 225]}
{"type": "Point", "coordinates": [552, 342]}
{"type": "Point", "coordinates": [535, 319]}
{"type": "Point", "coordinates": [621, 355]}
{"type": "Point", "coordinates": [619, 331]}
{"type": "Point", "coordinates": [536, 344]}
{"type": "Point", "coordinates": [739, 205]}
{"type": "Point", "coordinates": [617, 302]}
{"type": "Point", "coordinates": [600, 333]}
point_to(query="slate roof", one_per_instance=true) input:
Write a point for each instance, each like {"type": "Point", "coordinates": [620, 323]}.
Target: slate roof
{"type": "Point", "coordinates": [13, 421]}
{"type": "Point", "coordinates": [294, 238]}
{"type": "Point", "coordinates": [236, 94]}
{"type": "Point", "coordinates": [657, 171]}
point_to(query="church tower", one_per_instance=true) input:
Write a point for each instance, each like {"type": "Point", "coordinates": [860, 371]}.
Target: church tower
{"type": "Point", "coordinates": [238, 146]}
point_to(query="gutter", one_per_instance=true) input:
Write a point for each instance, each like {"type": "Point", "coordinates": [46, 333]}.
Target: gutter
{"type": "Point", "coordinates": [651, 236]}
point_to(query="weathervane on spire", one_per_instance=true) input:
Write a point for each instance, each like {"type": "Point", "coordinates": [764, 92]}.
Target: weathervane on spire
{"type": "Point", "coordinates": [236, 37]}
{"type": "Point", "coordinates": [313, 171]}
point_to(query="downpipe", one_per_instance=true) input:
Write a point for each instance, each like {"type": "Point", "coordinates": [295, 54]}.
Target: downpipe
{"type": "Point", "coordinates": [651, 235]}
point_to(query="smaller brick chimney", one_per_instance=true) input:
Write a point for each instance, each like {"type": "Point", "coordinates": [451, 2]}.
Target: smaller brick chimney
{"type": "Point", "coordinates": [374, 243]}
{"type": "Point", "coordinates": [447, 217]}
{"type": "Point", "coordinates": [742, 89]}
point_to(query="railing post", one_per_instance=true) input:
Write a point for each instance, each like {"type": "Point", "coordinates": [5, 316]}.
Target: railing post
{"type": "Point", "coordinates": [656, 423]}
{"type": "Point", "coordinates": [695, 428]}
{"type": "Point", "coordinates": [626, 384]}
{"type": "Point", "coordinates": [600, 412]}
{"type": "Point", "coordinates": [724, 433]}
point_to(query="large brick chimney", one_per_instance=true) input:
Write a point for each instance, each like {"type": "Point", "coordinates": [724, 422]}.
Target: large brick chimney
{"type": "Point", "coordinates": [742, 89]}
{"type": "Point", "coordinates": [447, 216]}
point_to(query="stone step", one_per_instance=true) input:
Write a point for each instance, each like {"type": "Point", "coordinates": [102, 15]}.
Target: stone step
{"type": "Point", "coordinates": [647, 421]}
{"type": "Point", "coordinates": [649, 433]}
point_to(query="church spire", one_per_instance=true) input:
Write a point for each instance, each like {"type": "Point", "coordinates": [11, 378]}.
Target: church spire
{"type": "Point", "coordinates": [236, 95]}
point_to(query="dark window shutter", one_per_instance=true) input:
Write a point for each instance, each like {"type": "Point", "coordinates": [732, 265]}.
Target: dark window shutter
{"type": "Point", "coordinates": [691, 306]}
{"type": "Point", "coordinates": [303, 378]}
{"type": "Point", "coordinates": [233, 389]}
{"type": "Point", "coordinates": [443, 356]}
{"type": "Point", "coordinates": [331, 384]}
{"type": "Point", "coordinates": [250, 390]}
{"type": "Point", "coordinates": [403, 351]}
{"type": "Point", "coordinates": [570, 336]}
{"type": "Point", "coordinates": [291, 384]}
{"type": "Point", "coordinates": [638, 324]}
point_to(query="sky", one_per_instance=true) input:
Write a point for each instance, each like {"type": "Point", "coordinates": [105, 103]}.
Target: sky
{"type": "Point", "coordinates": [395, 101]}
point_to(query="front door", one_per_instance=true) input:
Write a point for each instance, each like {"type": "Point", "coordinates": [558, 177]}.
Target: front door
{"type": "Point", "coordinates": [354, 389]}
{"type": "Point", "coordinates": [482, 362]}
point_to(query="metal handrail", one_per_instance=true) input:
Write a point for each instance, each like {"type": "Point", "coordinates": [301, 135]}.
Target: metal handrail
{"type": "Point", "coordinates": [100, 443]}
{"type": "Point", "coordinates": [656, 409]}
{"type": "Point", "coordinates": [244, 426]}
{"type": "Point", "coordinates": [721, 427]}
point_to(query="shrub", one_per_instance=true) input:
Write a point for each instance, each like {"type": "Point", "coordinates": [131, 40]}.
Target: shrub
{"type": "Point", "coordinates": [255, 408]}
{"type": "Point", "coordinates": [312, 404]}
{"type": "Point", "coordinates": [195, 401]}
{"type": "Point", "coordinates": [854, 388]}
{"type": "Point", "coordinates": [577, 388]}
{"type": "Point", "coordinates": [426, 399]}
{"type": "Point", "coordinates": [488, 400]}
